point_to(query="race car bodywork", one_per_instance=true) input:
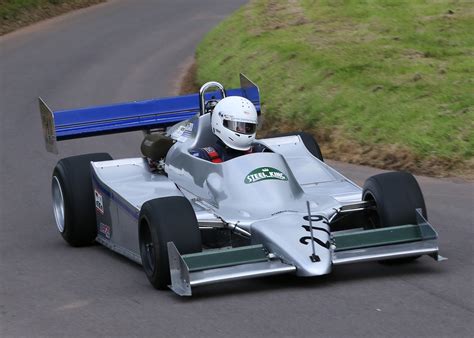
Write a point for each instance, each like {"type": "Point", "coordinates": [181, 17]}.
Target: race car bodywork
{"type": "Point", "coordinates": [282, 211]}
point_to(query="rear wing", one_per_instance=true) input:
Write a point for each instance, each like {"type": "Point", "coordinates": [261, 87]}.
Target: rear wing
{"type": "Point", "coordinates": [138, 115]}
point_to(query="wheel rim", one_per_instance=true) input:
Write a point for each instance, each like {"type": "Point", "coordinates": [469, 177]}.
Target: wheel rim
{"type": "Point", "coordinates": [58, 204]}
{"type": "Point", "coordinates": [147, 249]}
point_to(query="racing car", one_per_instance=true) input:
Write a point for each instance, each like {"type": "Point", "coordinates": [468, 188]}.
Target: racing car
{"type": "Point", "coordinates": [192, 222]}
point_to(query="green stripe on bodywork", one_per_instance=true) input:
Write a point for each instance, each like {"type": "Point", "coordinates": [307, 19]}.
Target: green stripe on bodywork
{"type": "Point", "coordinates": [225, 257]}
{"type": "Point", "coordinates": [383, 236]}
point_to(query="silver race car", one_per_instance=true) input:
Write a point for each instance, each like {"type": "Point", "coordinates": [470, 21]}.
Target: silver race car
{"type": "Point", "coordinates": [191, 222]}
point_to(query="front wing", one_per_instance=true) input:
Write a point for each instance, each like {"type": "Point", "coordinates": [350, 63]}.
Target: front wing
{"type": "Point", "coordinates": [350, 246]}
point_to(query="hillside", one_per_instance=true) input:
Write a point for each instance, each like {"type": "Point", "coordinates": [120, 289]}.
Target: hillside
{"type": "Point", "coordinates": [382, 83]}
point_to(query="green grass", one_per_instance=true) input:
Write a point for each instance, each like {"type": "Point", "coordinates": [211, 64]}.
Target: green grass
{"type": "Point", "coordinates": [15, 14]}
{"type": "Point", "coordinates": [380, 72]}
{"type": "Point", "coordinates": [11, 9]}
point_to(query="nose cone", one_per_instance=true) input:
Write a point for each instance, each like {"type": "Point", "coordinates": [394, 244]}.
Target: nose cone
{"type": "Point", "coordinates": [289, 237]}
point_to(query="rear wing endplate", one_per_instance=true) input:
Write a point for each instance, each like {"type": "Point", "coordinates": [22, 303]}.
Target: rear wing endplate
{"type": "Point", "coordinates": [138, 115]}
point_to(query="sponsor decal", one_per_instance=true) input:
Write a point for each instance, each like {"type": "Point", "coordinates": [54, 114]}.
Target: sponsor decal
{"type": "Point", "coordinates": [264, 173]}
{"type": "Point", "coordinates": [105, 230]}
{"type": "Point", "coordinates": [183, 132]}
{"type": "Point", "coordinates": [282, 211]}
{"type": "Point", "coordinates": [99, 202]}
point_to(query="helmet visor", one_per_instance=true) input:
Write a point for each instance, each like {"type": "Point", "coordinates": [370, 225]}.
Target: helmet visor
{"type": "Point", "coordinates": [241, 127]}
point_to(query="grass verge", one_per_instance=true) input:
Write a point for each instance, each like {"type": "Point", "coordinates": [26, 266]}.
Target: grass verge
{"type": "Point", "coordinates": [15, 14]}
{"type": "Point", "coordinates": [382, 83]}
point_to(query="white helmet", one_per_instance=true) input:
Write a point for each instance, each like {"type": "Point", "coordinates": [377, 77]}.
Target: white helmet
{"type": "Point", "coordinates": [234, 121]}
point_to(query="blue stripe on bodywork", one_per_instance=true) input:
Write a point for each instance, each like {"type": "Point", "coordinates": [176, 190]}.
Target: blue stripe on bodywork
{"type": "Point", "coordinates": [103, 189]}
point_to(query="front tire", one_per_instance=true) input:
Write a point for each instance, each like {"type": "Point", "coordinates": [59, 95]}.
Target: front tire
{"type": "Point", "coordinates": [73, 198]}
{"type": "Point", "coordinates": [163, 220]}
{"type": "Point", "coordinates": [396, 195]}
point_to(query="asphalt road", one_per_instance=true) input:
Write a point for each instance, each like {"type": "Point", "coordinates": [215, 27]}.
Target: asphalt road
{"type": "Point", "coordinates": [128, 50]}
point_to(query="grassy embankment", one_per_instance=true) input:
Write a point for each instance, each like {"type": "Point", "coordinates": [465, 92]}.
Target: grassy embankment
{"type": "Point", "coordinates": [383, 83]}
{"type": "Point", "coordinates": [18, 13]}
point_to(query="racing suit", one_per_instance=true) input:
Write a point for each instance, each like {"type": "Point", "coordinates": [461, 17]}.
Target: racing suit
{"type": "Point", "coordinates": [219, 152]}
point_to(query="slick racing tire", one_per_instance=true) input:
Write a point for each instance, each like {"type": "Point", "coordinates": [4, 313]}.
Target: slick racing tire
{"type": "Point", "coordinates": [73, 198]}
{"type": "Point", "coordinates": [396, 196]}
{"type": "Point", "coordinates": [163, 220]}
{"type": "Point", "coordinates": [309, 141]}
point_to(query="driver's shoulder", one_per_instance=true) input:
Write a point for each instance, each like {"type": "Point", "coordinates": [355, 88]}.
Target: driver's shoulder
{"type": "Point", "coordinates": [202, 152]}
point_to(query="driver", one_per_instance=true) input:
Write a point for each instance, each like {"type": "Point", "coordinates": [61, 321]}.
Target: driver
{"type": "Point", "coordinates": [234, 121]}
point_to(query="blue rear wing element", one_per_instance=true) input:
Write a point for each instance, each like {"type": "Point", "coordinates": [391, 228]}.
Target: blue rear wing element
{"type": "Point", "coordinates": [139, 115]}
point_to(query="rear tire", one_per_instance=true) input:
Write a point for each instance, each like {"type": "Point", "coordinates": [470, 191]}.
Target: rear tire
{"type": "Point", "coordinates": [163, 220]}
{"type": "Point", "coordinates": [309, 141]}
{"type": "Point", "coordinates": [73, 198]}
{"type": "Point", "coordinates": [396, 195]}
